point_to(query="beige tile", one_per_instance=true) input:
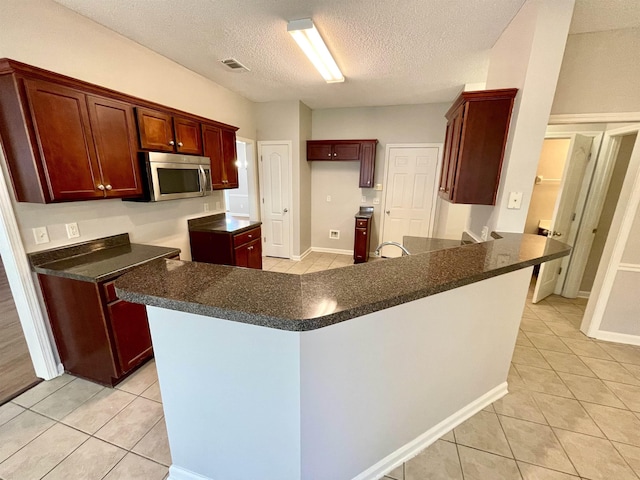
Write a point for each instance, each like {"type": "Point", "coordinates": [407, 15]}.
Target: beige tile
{"type": "Point", "coordinates": [629, 394]}
{"type": "Point", "coordinates": [633, 369]}
{"type": "Point", "coordinates": [541, 380]}
{"type": "Point", "coordinates": [530, 325]}
{"type": "Point", "coordinates": [155, 444]}
{"type": "Point", "coordinates": [529, 356]}
{"type": "Point", "coordinates": [153, 393]}
{"type": "Point", "coordinates": [42, 454]}
{"type": "Point", "coordinates": [396, 474]}
{"type": "Point", "coordinates": [42, 390]}
{"type": "Point", "coordinates": [483, 431]}
{"type": "Point", "coordinates": [522, 340]}
{"type": "Point", "coordinates": [519, 404]}
{"type": "Point", "coordinates": [630, 454]}
{"type": "Point", "coordinates": [569, 309]}
{"type": "Point", "coordinates": [548, 342]}
{"type": "Point", "coordinates": [566, 362]}
{"type": "Point", "coordinates": [575, 320]}
{"type": "Point", "coordinates": [618, 425]}
{"type": "Point", "coordinates": [62, 402]}
{"type": "Point", "coordinates": [92, 460]}
{"type": "Point", "coordinates": [478, 465]}
{"type": "Point", "coordinates": [9, 411]}
{"type": "Point", "coordinates": [566, 413]}
{"type": "Point", "coordinates": [580, 301]}
{"type": "Point", "coordinates": [437, 462]}
{"type": "Point", "coordinates": [590, 390]}
{"type": "Point", "coordinates": [528, 313]}
{"type": "Point", "coordinates": [449, 437]}
{"type": "Point", "coordinates": [131, 424]}
{"type": "Point", "coordinates": [566, 330]}
{"type": "Point", "coordinates": [140, 380]}
{"type": "Point", "coordinates": [98, 410]}
{"type": "Point", "coordinates": [608, 370]}
{"type": "Point", "coordinates": [535, 443]}
{"type": "Point", "coordinates": [550, 315]}
{"type": "Point", "coordinates": [595, 458]}
{"type": "Point", "coordinates": [622, 353]}
{"type": "Point", "coordinates": [489, 408]}
{"type": "Point", "coordinates": [587, 348]}
{"type": "Point", "coordinates": [534, 472]}
{"type": "Point", "coordinates": [133, 467]}
{"type": "Point", "coordinates": [19, 431]}
{"type": "Point", "coordinates": [514, 380]}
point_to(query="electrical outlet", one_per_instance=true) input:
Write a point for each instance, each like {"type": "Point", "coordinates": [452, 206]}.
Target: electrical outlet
{"type": "Point", "coordinates": [206, 207]}
{"type": "Point", "coordinates": [363, 199]}
{"type": "Point", "coordinates": [328, 198]}
{"type": "Point", "coordinates": [72, 230]}
{"type": "Point", "coordinates": [485, 233]}
{"type": "Point", "coordinates": [41, 235]}
{"type": "Point", "coordinates": [334, 234]}
{"type": "Point", "coordinates": [376, 201]}
{"type": "Point", "coordinates": [515, 201]}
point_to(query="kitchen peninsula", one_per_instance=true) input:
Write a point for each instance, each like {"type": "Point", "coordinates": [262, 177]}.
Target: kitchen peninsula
{"type": "Point", "coordinates": [340, 374]}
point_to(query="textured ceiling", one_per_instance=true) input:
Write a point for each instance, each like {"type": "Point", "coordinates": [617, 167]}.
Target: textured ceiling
{"type": "Point", "coordinates": [391, 52]}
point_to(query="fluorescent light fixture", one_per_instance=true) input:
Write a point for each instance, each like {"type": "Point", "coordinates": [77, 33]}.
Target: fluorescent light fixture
{"type": "Point", "coordinates": [309, 40]}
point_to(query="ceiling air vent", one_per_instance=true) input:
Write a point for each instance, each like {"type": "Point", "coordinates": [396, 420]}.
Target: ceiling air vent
{"type": "Point", "coordinates": [234, 64]}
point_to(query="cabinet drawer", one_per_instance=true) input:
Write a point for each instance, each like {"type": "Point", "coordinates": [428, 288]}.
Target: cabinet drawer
{"type": "Point", "coordinates": [361, 223]}
{"type": "Point", "coordinates": [245, 237]}
{"type": "Point", "coordinates": [110, 291]}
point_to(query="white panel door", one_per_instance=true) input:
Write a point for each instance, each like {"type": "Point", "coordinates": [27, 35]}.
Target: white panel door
{"type": "Point", "coordinates": [409, 201]}
{"type": "Point", "coordinates": [275, 165]}
{"type": "Point", "coordinates": [563, 215]}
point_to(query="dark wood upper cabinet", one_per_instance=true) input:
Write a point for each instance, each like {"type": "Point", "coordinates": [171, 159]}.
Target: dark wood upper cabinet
{"type": "Point", "coordinates": [363, 151]}
{"type": "Point", "coordinates": [114, 134]}
{"type": "Point", "coordinates": [188, 136]}
{"type": "Point", "coordinates": [63, 134]}
{"type": "Point", "coordinates": [476, 136]}
{"type": "Point", "coordinates": [155, 130]}
{"type": "Point", "coordinates": [220, 146]}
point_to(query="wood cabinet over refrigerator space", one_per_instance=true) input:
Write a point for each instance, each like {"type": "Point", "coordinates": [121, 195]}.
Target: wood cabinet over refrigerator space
{"type": "Point", "coordinates": [477, 129]}
{"type": "Point", "coordinates": [363, 151]}
{"type": "Point", "coordinates": [68, 140]}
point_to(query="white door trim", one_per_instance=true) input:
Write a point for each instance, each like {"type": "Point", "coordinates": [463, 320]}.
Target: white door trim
{"type": "Point", "coordinates": [389, 146]}
{"type": "Point", "coordinates": [289, 143]}
{"type": "Point", "coordinates": [25, 295]}
{"type": "Point", "coordinates": [591, 323]}
{"type": "Point", "coordinates": [564, 119]}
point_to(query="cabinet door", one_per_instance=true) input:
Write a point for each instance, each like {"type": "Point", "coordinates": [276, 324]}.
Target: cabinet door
{"type": "Point", "coordinates": [249, 255]}
{"type": "Point", "coordinates": [61, 121]}
{"type": "Point", "coordinates": [361, 245]}
{"type": "Point", "coordinates": [188, 136]}
{"type": "Point", "coordinates": [230, 156]}
{"type": "Point", "coordinates": [212, 143]}
{"type": "Point", "coordinates": [319, 151]}
{"type": "Point", "coordinates": [452, 163]}
{"type": "Point", "coordinates": [367, 164]}
{"type": "Point", "coordinates": [155, 130]}
{"type": "Point", "coordinates": [346, 151]}
{"type": "Point", "coordinates": [131, 333]}
{"type": "Point", "coordinates": [114, 134]}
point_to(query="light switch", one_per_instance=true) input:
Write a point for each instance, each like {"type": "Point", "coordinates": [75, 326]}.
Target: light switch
{"type": "Point", "coordinates": [515, 201]}
{"type": "Point", "coordinates": [363, 199]}
{"type": "Point", "coordinates": [328, 198]}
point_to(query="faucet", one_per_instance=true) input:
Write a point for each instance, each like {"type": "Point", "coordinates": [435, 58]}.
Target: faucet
{"type": "Point", "coordinates": [384, 244]}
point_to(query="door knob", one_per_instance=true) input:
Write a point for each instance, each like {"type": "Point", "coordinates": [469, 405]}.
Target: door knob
{"type": "Point", "coordinates": [557, 234]}
{"type": "Point", "coordinates": [285, 210]}
{"type": "Point", "coordinates": [388, 212]}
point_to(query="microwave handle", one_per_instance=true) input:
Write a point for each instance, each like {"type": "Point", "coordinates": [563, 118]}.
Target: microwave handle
{"type": "Point", "coordinates": [203, 181]}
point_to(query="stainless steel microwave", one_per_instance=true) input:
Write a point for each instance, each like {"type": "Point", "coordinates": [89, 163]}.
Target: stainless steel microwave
{"type": "Point", "coordinates": [169, 176]}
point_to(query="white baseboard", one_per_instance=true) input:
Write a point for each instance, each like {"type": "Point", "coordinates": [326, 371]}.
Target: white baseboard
{"type": "Point", "coordinates": [332, 250]}
{"type": "Point", "coordinates": [301, 257]}
{"type": "Point", "coordinates": [179, 473]}
{"type": "Point", "coordinates": [583, 294]}
{"type": "Point", "coordinates": [617, 337]}
{"type": "Point", "coordinates": [414, 447]}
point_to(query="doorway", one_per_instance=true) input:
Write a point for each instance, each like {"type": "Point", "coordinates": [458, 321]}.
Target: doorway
{"type": "Point", "coordinates": [411, 193]}
{"type": "Point", "coordinates": [243, 201]}
{"type": "Point", "coordinates": [16, 367]}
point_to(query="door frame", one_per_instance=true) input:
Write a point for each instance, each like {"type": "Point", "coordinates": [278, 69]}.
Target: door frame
{"type": "Point", "coordinates": [434, 203]}
{"type": "Point", "coordinates": [252, 178]}
{"type": "Point", "coordinates": [292, 210]}
{"type": "Point", "coordinates": [25, 295]}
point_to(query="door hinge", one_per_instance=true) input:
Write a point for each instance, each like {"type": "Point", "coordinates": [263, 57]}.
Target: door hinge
{"type": "Point", "coordinates": [262, 199]}
{"type": "Point", "coordinates": [589, 157]}
{"type": "Point", "coordinates": [265, 239]}
{"type": "Point", "coordinates": [559, 270]}
{"type": "Point", "coordinates": [573, 217]}
{"type": "Point", "coordinates": [260, 157]}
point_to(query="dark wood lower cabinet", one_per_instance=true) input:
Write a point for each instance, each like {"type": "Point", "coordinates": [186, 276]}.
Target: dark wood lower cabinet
{"type": "Point", "coordinates": [242, 249]}
{"type": "Point", "coordinates": [362, 240]}
{"type": "Point", "coordinates": [98, 336]}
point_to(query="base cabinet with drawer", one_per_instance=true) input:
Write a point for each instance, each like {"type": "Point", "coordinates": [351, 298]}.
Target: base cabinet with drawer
{"type": "Point", "coordinates": [362, 240]}
{"type": "Point", "coordinates": [99, 337]}
{"type": "Point", "coordinates": [242, 249]}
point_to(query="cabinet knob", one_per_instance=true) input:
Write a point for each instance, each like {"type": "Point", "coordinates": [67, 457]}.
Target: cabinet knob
{"type": "Point", "coordinates": [172, 143]}
{"type": "Point", "coordinates": [442, 189]}
{"type": "Point", "coordinates": [108, 187]}
{"type": "Point", "coordinates": [250, 236]}
{"type": "Point", "coordinates": [100, 187]}
{"type": "Point", "coordinates": [364, 233]}
{"type": "Point", "coordinates": [179, 144]}
{"type": "Point", "coordinates": [328, 155]}
{"type": "Point", "coordinates": [335, 154]}
{"type": "Point", "coordinates": [250, 248]}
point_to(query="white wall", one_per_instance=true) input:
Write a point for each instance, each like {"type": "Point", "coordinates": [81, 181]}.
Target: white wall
{"type": "Point", "coordinates": [394, 124]}
{"type": "Point", "coordinates": [599, 73]}
{"type": "Point", "coordinates": [47, 35]}
{"type": "Point", "coordinates": [305, 179]}
{"type": "Point", "coordinates": [527, 56]}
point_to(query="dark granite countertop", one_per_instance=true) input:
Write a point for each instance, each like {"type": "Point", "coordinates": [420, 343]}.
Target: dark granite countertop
{"type": "Point", "coordinates": [97, 260]}
{"type": "Point", "coordinates": [315, 300]}
{"type": "Point", "coordinates": [417, 245]}
{"type": "Point", "coordinates": [221, 223]}
{"type": "Point", "coordinates": [365, 212]}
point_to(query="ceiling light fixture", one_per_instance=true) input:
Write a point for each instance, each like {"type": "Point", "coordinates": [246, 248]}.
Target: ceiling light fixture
{"type": "Point", "coordinates": [309, 40]}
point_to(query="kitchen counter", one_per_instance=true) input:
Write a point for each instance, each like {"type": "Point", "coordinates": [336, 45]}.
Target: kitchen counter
{"type": "Point", "coordinates": [364, 212]}
{"type": "Point", "coordinates": [417, 245]}
{"type": "Point", "coordinates": [316, 300]}
{"type": "Point", "coordinates": [97, 260]}
{"type": "Point", "coordinates": [221, 223]}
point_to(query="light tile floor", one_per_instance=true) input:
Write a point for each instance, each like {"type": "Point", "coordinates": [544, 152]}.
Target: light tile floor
{"type": "Point", "coordinates": [573, 412]}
